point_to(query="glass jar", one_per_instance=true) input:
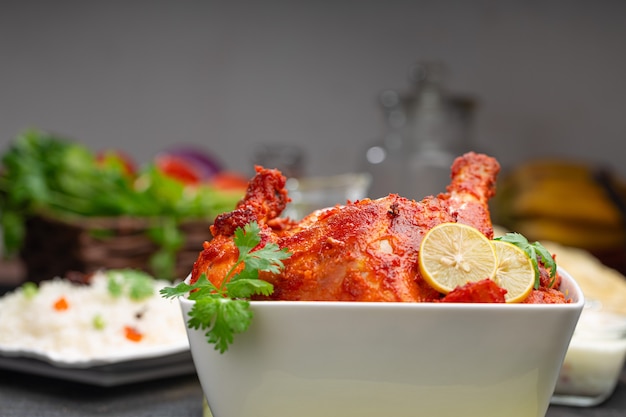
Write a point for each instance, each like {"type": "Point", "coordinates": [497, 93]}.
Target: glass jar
{"type": "Point", "coordinates": [426, 129]}
{"type": "Point", "coordinates": [437, 133]}
{"type": "Point", "coordinates": [384, 159]}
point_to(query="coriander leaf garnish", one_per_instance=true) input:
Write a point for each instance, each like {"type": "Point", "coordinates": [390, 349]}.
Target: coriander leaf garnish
{"type": "Point", "coordinates": [533, 250]}
{"type": "Point", "coordinates": [225, 311]}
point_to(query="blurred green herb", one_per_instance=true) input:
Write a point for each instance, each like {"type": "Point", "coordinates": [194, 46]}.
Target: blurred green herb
{"type": "Point", "coordinates": [43, 174]}
{"type": "Point", "coordinates": [137, 285]}
{"type": "Point", "coordinates": [225, 311]}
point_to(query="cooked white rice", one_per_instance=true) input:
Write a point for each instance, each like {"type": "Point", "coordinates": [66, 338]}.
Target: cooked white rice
{"type": "Point", "coordinates": [33, 327]}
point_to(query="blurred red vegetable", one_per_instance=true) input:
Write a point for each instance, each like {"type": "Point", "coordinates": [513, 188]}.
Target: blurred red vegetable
{"type": "Point", "coordinates": [176, 167]}
{"type": "Point", "coordinates": [116, 159]}
{"type": "Point", "coordinates": [229, 180]}
{"type": "Point", "coordinates": [205, 164]}
{"type": "Point", "coordinates": [189, 164]}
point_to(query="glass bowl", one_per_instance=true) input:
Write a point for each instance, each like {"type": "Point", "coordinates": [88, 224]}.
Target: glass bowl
{"type": "Point", "coordinates": [594, 359]}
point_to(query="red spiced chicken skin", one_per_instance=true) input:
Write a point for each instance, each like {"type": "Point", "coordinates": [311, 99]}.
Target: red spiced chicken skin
{"type": "Point", "coordinates": [365, 250]}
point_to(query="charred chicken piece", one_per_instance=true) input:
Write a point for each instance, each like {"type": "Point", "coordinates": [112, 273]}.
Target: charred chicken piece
{"type": "Point", "coordinates": [362, 251]}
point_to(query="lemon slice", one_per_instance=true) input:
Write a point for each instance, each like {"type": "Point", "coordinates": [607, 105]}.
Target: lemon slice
{"type": "Point", "coordinates": [453, 254]}
{"type": "Point", "coordinates": [515, 272]}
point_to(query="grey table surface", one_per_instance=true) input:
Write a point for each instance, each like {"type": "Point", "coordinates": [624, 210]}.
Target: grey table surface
{"type": "Point", "coordinates": [27, 395]}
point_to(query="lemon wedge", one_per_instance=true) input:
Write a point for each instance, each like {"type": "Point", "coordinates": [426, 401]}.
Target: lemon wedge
{"type": "Point", "coordinates": [453, 254]}
{"type": "Point", "coordinates": [514, 273]}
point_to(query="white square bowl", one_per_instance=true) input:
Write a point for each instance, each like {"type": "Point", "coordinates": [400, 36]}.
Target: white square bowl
{"type": "Point", "coordinates": [344, 359]}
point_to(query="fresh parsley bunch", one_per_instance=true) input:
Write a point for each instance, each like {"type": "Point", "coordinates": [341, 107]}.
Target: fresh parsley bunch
{"type": "Point", "coordinates": [535, 251]}
{"type": "Point", "coordinates": [225, 310]}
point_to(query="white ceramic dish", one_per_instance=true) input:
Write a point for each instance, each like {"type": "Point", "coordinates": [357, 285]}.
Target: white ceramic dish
{"type": "Point", "coordinates": [389, 359]}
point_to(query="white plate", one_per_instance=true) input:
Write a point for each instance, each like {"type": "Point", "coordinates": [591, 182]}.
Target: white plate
{"type": "Point", "coordinates": [117, 368]}
{"type": "Point", "coordinates": [36, 338]}
{"type": "Point", "coordinates": [112, 358]}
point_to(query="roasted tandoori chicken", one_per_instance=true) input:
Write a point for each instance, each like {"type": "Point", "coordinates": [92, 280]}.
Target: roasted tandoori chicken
{"type": "Point", "coordinates": [365, 250]}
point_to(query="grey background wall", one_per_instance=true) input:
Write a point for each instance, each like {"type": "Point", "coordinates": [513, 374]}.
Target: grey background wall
{"type": "Point", "coordinates": [227, 75]}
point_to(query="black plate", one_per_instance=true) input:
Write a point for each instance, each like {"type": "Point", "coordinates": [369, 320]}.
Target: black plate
{"type": "Point", "coordinates": [119, 373]}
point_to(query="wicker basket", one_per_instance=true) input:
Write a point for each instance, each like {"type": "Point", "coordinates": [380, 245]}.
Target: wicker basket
{"type": "Point", "coordinates": [56, 247]}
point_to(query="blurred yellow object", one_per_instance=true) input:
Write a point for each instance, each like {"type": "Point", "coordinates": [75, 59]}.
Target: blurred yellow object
{"type": "Point", "coordinates": [566, 199]}
{"type": "Point", "coordinates": [571, 233]}
{"type": "Point", "coordinates": [538, 169]}
{"type": "Point", "coordinates": [567, 202]}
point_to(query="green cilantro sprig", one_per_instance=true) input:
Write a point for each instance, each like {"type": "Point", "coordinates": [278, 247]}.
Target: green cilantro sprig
{"type": "Point", "coordinates": [225, 310]}
{"type": "Point", "coordinates": [533, 250]}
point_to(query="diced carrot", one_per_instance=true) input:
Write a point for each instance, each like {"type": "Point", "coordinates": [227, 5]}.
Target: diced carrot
{"type": "Point", "coordinates": [61, 304]}
{"type": "Point", "coordinates": [132, 334]}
